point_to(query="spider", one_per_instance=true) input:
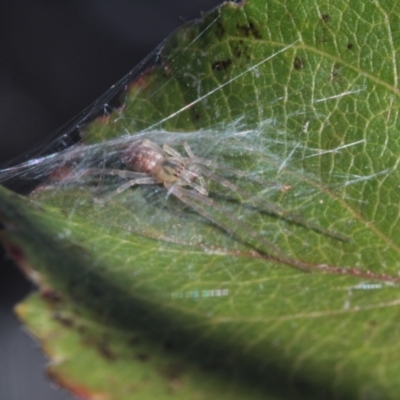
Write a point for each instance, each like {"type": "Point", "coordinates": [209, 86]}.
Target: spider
{"type": "Point", "coordinates": [184, 177]}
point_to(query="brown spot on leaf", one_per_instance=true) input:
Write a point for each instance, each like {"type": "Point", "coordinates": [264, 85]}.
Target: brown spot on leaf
{"type": "Point", "coordinates": [221, 65]}
{"type": "Point", "coordinates": [350, 46]}
{"type": "Point", "coordinates": [106, 352]}
{"type": "Point", "coordinates": [336, 75]}
{"type": "Point", "coordinates": [167, 70]}
{"type": "Point", "coordinates": [325, 18]}
{"type": "Point", "coordinates": [94, 291]}
{"type": "Point", "coordinates": [172, 372]}
{"type": "Point", "coordinates": [143, 357]}
{"type": "Point", "coordinates": [133, 340]}
{"type": "Point", "coordinates": [82, 329]}
{"type": "Point", "coordinates": [175, 384]}
{"type": "Point", "coordinates": [63, 320]}
{"type": "Point", "coordinates": [239, 49]}
{"type": "Point", "coordinates": [168, 345]}
{"type": "Point", "coordinates": [298, 63]}
{"type": "Point", "coordinates": [50, 295]}
{"type": "Point", "coordinates": [219, 30]}
{"type": "Point", "coordinates": [249, 30]}
{"type": "Point", "coordinates": [15, 253]}
{"type": "Point", "coordinates": [211, 366]}
{"type": "Point", "coordinates": [197, 116]}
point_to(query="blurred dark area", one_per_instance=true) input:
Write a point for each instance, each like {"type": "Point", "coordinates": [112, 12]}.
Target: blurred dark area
{"type": "Point", "coordinates": [56, 58]}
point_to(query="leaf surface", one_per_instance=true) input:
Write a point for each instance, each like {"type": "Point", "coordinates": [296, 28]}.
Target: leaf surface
{"type": "Point", "coordinates": [160, 301]}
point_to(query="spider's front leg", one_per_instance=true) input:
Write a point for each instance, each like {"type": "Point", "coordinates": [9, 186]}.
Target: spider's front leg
{"type": "Point", "coordinates": [121, 173]}
{"type": "Point", "coordinates": [135, 178]}
{"type": "Point", "coordinates": [172, 152]}
{"type": "Point", "coordinates": [138, 181]}
{"type": "Point", "coordinates": [272, 208]}
{"type": "Point", "coordinates": [233, 226]}
{"type": "Point", "coordinates": [125, 186]}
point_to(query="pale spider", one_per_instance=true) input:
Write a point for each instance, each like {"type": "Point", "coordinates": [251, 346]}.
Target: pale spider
{"type": "Point", "coordinates": [183, 177]}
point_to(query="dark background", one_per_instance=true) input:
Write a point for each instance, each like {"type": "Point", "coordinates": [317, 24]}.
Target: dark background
{"type": "Point", "coordinates": [57, 57]}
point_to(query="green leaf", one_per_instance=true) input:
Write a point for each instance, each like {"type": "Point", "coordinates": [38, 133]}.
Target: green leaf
{"type": "Point", "coordinates": [157, 300]}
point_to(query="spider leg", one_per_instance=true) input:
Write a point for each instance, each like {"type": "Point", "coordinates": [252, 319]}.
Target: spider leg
{"type": "Point", "coordinates": [198, 160]}
{"type": "Point", "coordinates": [114, 172]}
{"type": "Point", "coordinates": [133, 182]}
{"type": "Point", "coordinates": [202, 191]}
{"type": "Point", "coordinates": [194, 160]}
{"type": "Point", "coordinates": [138, 181]}
{"type": "Point", "coordinates": [203, 184]}
{"type": "Point", "coordinates": [274, 209]}
{"type": "Point", "coordinates": [199, 188]}
{"type": "Point", "coordinates": [236, 172]}
{"type": "Point", "coordinates": [221, 180]}
{"type": "Point", "coordinates": [188, 150]}
{"type": "Point", "coordinates": [189, 161]}
{"type": "Point", "coordinates": [249, 236]}
{"type": "Point", "coordinates": [243, 175]}
{"type": "Point", "coordinates": [271, 208]}
{"type": "Point", "coordinates": [172, 152]}
{"type": "Point", "coordinates": [189, 177]}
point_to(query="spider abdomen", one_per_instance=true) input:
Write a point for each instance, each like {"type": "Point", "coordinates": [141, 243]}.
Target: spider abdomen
{"type": "Point", "coordinates": [142, 157]}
